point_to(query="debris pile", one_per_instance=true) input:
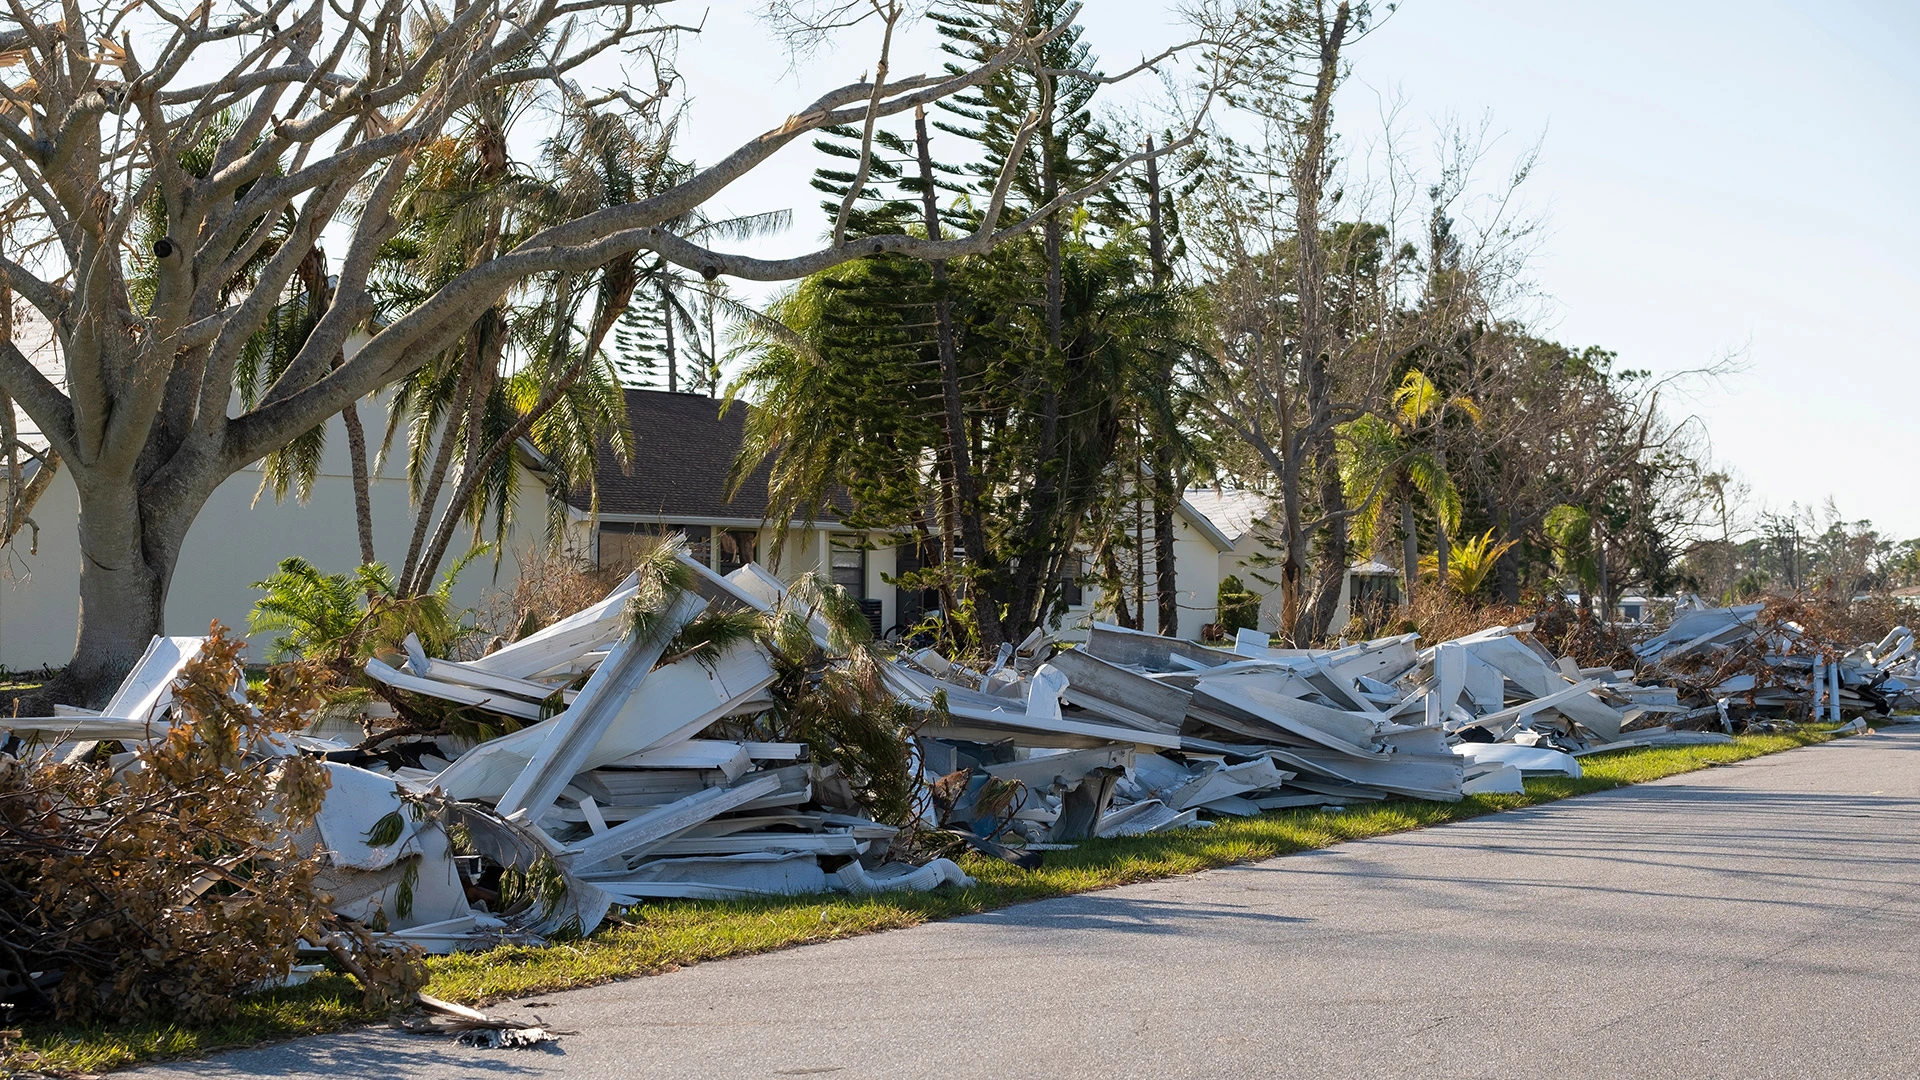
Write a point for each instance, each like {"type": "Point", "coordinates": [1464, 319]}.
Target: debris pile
{"type": "Point", "coordinates": [127, 877]}
{"type": "Point", "coordinates": [617, 776]}
{"type": "Point", "coordinates": [1135, 733]}
{"type": "Point", "coordinates": [637, 762]}
{"type": "Point", "coordinates": [1731, 665]}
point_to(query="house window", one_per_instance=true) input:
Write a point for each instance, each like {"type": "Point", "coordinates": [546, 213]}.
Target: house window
{"type": "Point", "coordinates": [735, 548]}
{"type": "Point", "coordinates": [623, 542]}
{"type": "Point", "coordinates": [1375, 590]}
{"type": "Point", "coordinates": [911, 605]}
{"type": "Point", "coordinates": [1072, 569]}
{"type": "Point", "coordinates": [848, 561]}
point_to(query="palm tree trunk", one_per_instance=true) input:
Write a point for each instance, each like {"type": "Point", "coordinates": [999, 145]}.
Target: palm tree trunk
{"type": "Point", "coordinates": [490, 335]}
{"type": "Point", "coordinates": [362, 484]}
{"type": "Point", "coordinates": [442, 461]}
{"type": "Point", "coordinates": [616, 295]}
{"type": "Point", "coordinates": [1409, 549]}
{"type": "Point", "coordinates": [666, 320]}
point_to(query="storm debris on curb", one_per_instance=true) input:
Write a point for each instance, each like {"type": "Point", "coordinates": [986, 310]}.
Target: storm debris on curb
{"type": "Point", "coordinates": [693, 736]}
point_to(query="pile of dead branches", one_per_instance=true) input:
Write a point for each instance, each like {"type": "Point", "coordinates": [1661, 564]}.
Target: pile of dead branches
{"type": "Point", "coordinates": [164, 881]}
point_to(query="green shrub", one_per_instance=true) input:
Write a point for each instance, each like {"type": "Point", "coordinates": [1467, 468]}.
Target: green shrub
{"type": "Point", "coordinates": [1239, 607]}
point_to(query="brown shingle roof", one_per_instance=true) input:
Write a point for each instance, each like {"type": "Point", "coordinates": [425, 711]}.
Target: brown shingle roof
{"type": "Point", "coordinates": [683, 450]}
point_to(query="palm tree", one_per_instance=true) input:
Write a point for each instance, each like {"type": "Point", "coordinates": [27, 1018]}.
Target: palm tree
{"type": "Point", "coordinates": [563, 393]}
{"type": "Point", "coordinates": [1393, 459]}
{"type": "Point", "coordinates": [1471, 565]}
{"type": "Point", "coordinates": [680, 312]}
{"type": "Point", "coordinates": [464, 202]}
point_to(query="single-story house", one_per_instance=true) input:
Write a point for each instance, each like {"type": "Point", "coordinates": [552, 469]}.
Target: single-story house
{"type": "Point", "coordinates": [676, 482]}
{"type": "Point", "coordinates": [1242, 516]}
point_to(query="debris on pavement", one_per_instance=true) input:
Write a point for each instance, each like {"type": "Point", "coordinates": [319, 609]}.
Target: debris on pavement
{"type": "Point", "coordinates": [471, 1027]}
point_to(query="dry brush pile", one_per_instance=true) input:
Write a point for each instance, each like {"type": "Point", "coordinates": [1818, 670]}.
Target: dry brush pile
{"type": "Point", "coordinates": [127, 878]}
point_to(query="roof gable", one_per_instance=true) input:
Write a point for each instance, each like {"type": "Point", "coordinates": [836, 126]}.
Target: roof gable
{"type": "Point", "coordinates": [683, 450]}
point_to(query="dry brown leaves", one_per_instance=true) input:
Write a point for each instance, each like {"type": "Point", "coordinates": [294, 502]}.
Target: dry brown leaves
{"type": "Point", "coordinates": [163, 883]}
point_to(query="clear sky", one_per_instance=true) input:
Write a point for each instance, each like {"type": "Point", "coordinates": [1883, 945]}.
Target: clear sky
{"type": "Point", "coordinates": [1717, 178]}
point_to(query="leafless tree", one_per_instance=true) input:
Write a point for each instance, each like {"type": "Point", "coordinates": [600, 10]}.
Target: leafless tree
{"type": "Point", "coordinates": [155, 264]}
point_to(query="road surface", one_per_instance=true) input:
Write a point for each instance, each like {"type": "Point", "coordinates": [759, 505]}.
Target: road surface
{"type": "Point", "coordinates": [1757, 920]}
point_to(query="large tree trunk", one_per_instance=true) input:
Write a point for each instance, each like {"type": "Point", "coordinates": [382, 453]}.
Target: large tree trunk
{"type": "Point", "coordinates": [127, 560]}
{"type": "Point", "coordinates": [1166, 456]}
{"type": "Point", "coordinates": [1166, 588]}
{"type": "Point", "coordinates": [1309, 178]}
{"type": "Point", "coordinates": [1293, 563]}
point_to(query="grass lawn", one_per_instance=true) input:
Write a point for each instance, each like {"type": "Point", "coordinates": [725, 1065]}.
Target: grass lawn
{"type": "Point", "coordinates": [661, 937]}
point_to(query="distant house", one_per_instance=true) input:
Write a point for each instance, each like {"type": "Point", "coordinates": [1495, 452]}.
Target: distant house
{"type": "Point", "coordinates": [676, 483]}
{"type": "Point", "coordinates": [1241, 516]}
{"type": "Point", "coordinates": [684, 449]}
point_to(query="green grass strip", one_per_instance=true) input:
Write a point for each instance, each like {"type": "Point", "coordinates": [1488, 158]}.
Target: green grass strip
{"type": "Point", "coordinates": [662, 937]}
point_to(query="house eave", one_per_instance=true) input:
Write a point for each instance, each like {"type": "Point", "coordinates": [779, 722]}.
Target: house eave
{"type": "Point", "coordinates": [1206, 527]}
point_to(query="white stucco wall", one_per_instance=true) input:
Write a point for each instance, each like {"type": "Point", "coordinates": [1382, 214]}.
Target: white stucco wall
{"type": "Point", "coordinates": [1241, 563]}
{"type": "Point", "coordinates": [1197, 567]}
{"type": "Point", "coordinates": [233, 543]}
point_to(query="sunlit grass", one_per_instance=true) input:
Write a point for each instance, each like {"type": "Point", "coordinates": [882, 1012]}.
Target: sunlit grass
{"type": "Point", "coordinates": [662, 937]}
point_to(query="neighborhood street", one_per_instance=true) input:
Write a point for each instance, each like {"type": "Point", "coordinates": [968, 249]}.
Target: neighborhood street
{"type": "Point", "coordinates": [1757, 920]}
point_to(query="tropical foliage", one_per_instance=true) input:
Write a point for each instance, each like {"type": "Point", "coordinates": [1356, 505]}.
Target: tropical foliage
{"type": "Point", "coordinates": [1471, 563]}
{"type": "Point", "coordinates": [352, 616]}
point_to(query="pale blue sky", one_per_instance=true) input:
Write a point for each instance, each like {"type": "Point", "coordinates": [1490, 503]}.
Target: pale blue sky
{"type": "Point", "coordinates": [1716, 177]}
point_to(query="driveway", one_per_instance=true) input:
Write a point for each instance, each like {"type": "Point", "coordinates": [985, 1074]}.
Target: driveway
{"type": "Point", "coordinates": [1757, 920]}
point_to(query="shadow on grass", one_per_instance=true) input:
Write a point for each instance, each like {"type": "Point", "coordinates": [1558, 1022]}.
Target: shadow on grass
{"type": "Point", "coordinates": [657, 938]}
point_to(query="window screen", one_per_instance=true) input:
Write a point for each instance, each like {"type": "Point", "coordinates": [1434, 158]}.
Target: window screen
{"type": "Point", "coordinates": [849, 561]}
{"type": "Point", "coordinates": [622, 542]}
{"type": "Point", "coordinates": [1072, 569]}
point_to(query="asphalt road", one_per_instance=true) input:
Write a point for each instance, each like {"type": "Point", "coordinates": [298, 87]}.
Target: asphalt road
{"type": "Point", "coordinates": [1758, 920]}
